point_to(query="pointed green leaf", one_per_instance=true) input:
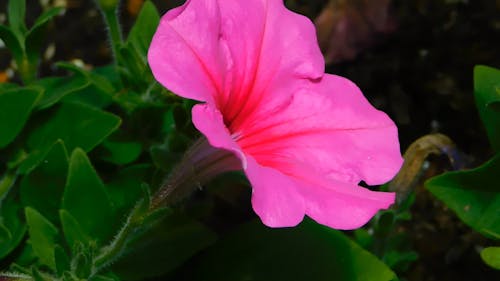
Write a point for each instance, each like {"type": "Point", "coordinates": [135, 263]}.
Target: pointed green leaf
{"type": "Point", "coordinates": [15, 108]}
{"type": "Point", "coordinates": [56, 88]}
{"type": "Point", "coordinates": [474, 195]}
{"type": "Point", "coordinates": [12, 42]}
{"type": "Point", "coordinates": [73, 232]}
{"type": "Point", "coordinates": [42, 237]}
{"type": "Point", "coordinates": [43, 187]}
{"type": "Point", "coordinates": [144, 28]}
{"type": "Point", "coordinates": [487, 94]}
{"type": "Point", "coordinates": [77, 125]}
{"type": "Point", "coordinates": [16, 11]}
{"type": "Point", "coordinates": [121, 152]}
{"type": "Point", "coordinates": [86, 199]}
{"type": "Point", "coordinates": [10, 210]}
{"type": "Point", "coordinates": [306, 252]}
{"type": "Point", "coordinates": [491, 256]}
{"type": "Point", "coordinates": [35, 36]}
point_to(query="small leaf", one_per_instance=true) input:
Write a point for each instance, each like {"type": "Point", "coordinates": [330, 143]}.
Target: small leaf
{"type": "Point", "coordinates": [487, 94]}
{"type": "Point", "coordinates": [306, 252]}
{"type": "Point", "coordinates": [121, 153]}
{"type": "Point", "coordinates": [491, 256]}
{"type": "Point", "coordinates": [73, 232]}
{"type": "Point", "coordinates": [144, 28]}
{"type": "Point", "coordinates": [35, 36]}
{"type": "Point", "coordinates": [56, 88]}
{"type": "Point", "coordinates": [16, 11]}
{"type": "Point", "coordinates": [85, 198]}
{"type": "Point", "coordinates": [43, 187]}
{"type": "Point", "coordinates": [474, 195]}
{"type": "Point", "coordinates": [15, 108]}
{"type": "Point", "coordinates": [12, 42]}
{"type": "Point", "coordinates": [77, 125]}
{"type": "Point", "coordinates": [42, 237]}
{"type": "Point", "coordinates": [10, 210]}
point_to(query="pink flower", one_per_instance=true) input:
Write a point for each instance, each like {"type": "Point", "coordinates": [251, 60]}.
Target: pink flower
{"type": "Point", "coordinates": [305, 139]}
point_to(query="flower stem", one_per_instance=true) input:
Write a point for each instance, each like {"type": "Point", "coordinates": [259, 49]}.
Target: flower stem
{"type": "Point", "coordinates": [115, 32]}
{"type": "Point", "coordinates": [115, 249]}
{"type": "Point", "coordinates": [200, 164]}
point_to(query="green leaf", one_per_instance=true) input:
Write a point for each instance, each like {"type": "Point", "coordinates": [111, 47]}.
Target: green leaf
{"type": "Point", "coordinates": [487, 95]}
{"type": "Point", "coordinates": [12, 42]}
{"type": "Point", "coordinates": [10, 225]}
{"type": "Point", "coordinates": [163, 248]}
{"type": "Point", "coordinates": [101, 77]}
{"type": "Point", "coordinates": [56, 88]}
{"type": "Point", "coordinates": [121, 153]}
{"type": "Point", "coordinates": [473, 195]}
{"type": "Point", "coordinates": [85, 198]}
{"type": "Point", "coordinates": [43, 187]}
{"type": "Point", "coordinates": [306, 252]}
{"type": "Point", "coordinates": [16, 11]}
{"type": "Point", "coordinates": [491, 256]}
{"type": "Point", "coordinates": [61, 260]}
{"type": "Point", "coordinates": [144, 28]}
{"type": "Point", "coordinates": [77, 125]}
{"type": "Point", "coordinates": [42, 237]}
{"type": "Point", "coordinates": [6, 182]}
{"type": "Point", "coordinates": [15, 108]}
{"type": "Point", "coordinates": [125, 188]}
{"type": "Point", "coordinates": [73, 232]}
{"type": "Point", "coordinates": [101, 90]}
{"type": "Point", "coordinates": [35, 36]}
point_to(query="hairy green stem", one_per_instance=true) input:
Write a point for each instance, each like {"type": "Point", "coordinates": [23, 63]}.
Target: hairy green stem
{"type": "Point", "coordinates": [115, 32]}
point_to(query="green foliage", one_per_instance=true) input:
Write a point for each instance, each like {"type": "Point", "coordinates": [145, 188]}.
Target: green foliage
{"type": "Point", "coordinates": [487, 94]}
{"type": "Point", "coordinates": [474, 195]}
{"type": "Point", "coordinates": [25, 44]}
{"type": "Point", "coordinates": [491, 256]}
{"type": "Point", "coordinates": [43, 235]}
{"type": "Point", "coordinates": [15, 108]}
{"type": "Point", "coordinates": [83, 189]}
{"type": "Point", "coordinates": [306, 252]}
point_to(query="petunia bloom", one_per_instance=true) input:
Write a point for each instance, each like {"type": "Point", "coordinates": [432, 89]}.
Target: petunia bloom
{"type": "Point", "coordinates": [305, 139]}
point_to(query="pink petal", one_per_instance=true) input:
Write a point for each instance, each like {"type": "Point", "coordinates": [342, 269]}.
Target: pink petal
{"type": "Point", "coordinates": [269, 45]}
{"type": "Point", "coordinates": [209, 122]}
{"type": "Point", "coordinates": [341, 205]}
{"type": "Point", "coordinates": [184, 54]}
{"type": "Point", "coordinates": [233, 52]}
{"type": "Point", "coordinates": [275, 197]}
{"type": "Point", "coordinates": [282, 199]}
{"type": "Point", "coordinates": [328, 128]}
